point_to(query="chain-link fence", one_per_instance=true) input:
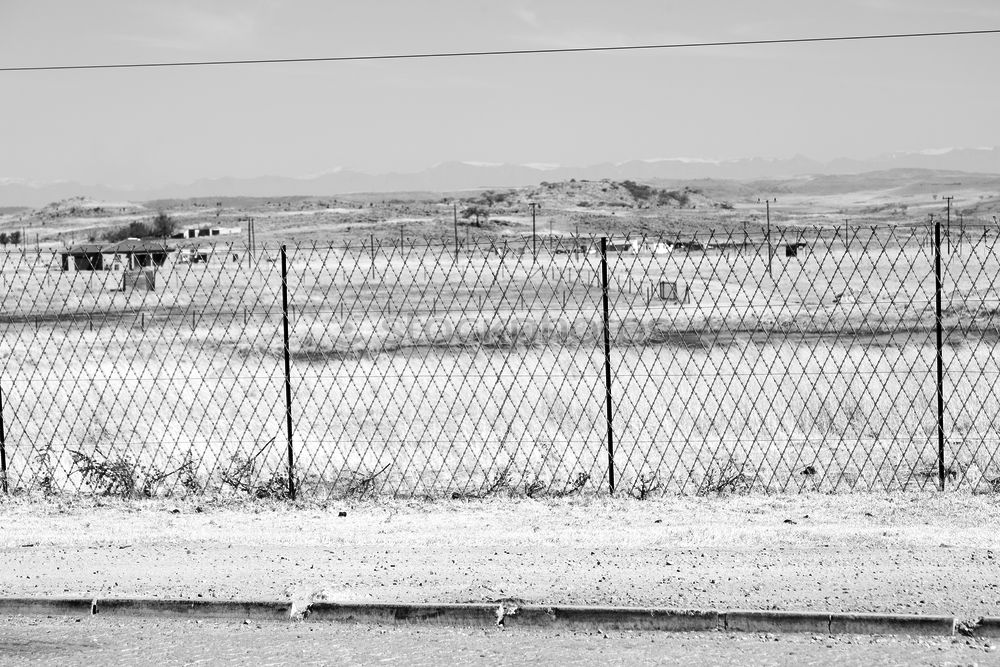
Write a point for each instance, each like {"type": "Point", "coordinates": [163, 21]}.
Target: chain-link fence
{"type": "Point", "coordinates": [786, 360]}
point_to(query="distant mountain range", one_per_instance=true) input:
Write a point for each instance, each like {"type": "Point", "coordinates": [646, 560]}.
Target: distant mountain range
{"type": "Point", "coordinates": [450, 176]}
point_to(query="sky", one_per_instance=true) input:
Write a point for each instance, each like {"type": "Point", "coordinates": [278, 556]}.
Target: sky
{"type": "Point", "coordinates": [148, 127]}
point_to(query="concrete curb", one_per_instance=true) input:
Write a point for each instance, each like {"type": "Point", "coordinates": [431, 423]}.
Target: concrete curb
{"type": "Point", "coordinates": [613, 618]}
{"type": "Point", "coordinates": [892, 624]}
{"type": "Point", "coordinates": [988, 626]}
{"type": "Point", "coordinates": [776, 621]}
{"type": "Point", "coordinates": [222, 609]}
{"type": "Point", "coordinates": [514, 615]}
{"type": "Point", "coordinates": [840, 623]}
{"type": "Point", "coordinates": [47, 606]}
{"type": "Point", "coordinates": [509, 614]}
{"type": "Point", "coordinates": [476, 615]}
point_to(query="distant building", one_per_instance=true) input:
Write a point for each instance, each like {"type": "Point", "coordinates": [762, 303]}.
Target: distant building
{"type": "Point", "coordinates": [623, 246]}
{"type": "Point", "coordinates": [792, 249]}
{"type": "Point", "coordinates": [198, 232]}
{"type": "Point", "coordinates": [132, 254]}
{"type": "Point", "coordinates": [126, 255]}
{"type": "Point", "coordinates": [83, 257]}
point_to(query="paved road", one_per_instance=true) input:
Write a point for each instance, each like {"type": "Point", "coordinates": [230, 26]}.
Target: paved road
{"type": "Point", "coordinates": [97, 641]}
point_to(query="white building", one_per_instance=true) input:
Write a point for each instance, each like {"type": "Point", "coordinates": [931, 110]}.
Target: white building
{"type": "Point", "coordinates": [196, 232]}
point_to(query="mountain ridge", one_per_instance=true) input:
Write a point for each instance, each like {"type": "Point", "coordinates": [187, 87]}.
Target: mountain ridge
{"type": "Point", "coordinates": [455, 175]}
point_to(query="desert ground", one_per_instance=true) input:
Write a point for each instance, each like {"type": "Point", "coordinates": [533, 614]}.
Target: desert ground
{"type": "Point", "coordinates": [426, 361]}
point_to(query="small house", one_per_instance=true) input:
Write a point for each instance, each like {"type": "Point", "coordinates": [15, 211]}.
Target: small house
{"type": "Point", "coordinates": [83, 257]}
{"type": "Point", "coordinates": [132, 254]}
{"type": "Point", "coordinates": [792, 249]}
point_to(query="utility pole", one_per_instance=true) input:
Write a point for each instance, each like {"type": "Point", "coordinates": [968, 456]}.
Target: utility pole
{"type": "Point", "coordinates": [454, 210]}
{"type": "Point", "coordinates": [947, 226]}
{"type": "Point", "coordinates": [767, 202]}
{"type": "Point", "coordinates": [769, 253]}
{"type": "Point", "coordinates": [534, 248]}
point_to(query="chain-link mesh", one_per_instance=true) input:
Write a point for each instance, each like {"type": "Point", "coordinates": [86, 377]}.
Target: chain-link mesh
{"type": "Point", "coordinates": [970, 309]}
{"type": "Point", "coordinates": [786, 360]}
{"type": "Point", "coordinates": [127, 381]}
{"type": "Point", "coordinates": [806, 363]}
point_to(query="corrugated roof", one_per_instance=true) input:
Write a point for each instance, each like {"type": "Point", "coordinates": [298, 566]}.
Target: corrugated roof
{"type": "Point", "coordinates": [139, 245]}
{"type": "Point", "coordinates": [84, 249]}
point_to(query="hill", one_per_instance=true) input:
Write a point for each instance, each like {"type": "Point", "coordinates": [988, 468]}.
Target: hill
{"type": "Point", "coordinates": [575, 206]}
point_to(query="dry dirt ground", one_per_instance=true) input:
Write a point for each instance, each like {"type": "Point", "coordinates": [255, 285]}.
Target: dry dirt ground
{"type": "Point", "coordinates": [927, 553]}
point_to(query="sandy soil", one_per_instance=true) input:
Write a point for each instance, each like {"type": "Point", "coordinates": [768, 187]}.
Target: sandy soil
{"type": "Point", "coordinates": [903, 553]}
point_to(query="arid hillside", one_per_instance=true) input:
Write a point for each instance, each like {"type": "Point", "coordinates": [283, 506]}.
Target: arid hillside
{"type": "Point", "coordinates": [566, 208]}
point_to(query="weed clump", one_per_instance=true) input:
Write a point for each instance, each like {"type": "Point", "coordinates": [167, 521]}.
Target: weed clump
{"type": "Point", "coordinates": [120, 477]}
{"type": "Point", "coordinates": [246, 476]}
{"type": "Point", "coordinates": [724, 478]}
{"type": "Point", "coordinates": [116, 476]}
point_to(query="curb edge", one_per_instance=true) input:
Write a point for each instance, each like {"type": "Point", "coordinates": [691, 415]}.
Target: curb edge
{"type": "Point", "coordinates": [507, 614]}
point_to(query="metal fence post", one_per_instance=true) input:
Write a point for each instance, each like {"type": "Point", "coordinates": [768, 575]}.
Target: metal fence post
{"type": "Point", "coordinates": [938, 288]}
{"type": "Point", "coordinates": [607, 364]}
{"type": "Point", "coordinates": [3, 449]}
{"type": "Point", "coordinates": [288, 372]}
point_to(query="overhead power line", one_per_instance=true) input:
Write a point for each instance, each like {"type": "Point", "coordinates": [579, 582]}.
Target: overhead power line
{"type": "Point", "coordinates": [509, 52]}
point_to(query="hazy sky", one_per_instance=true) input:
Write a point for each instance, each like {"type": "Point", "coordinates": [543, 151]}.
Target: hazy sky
{"type": "Point", "coordinates": [146, 127]}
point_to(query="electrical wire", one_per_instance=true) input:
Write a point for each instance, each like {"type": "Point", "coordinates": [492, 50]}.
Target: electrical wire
{"type": "Point", "coordinates": [505, 52]}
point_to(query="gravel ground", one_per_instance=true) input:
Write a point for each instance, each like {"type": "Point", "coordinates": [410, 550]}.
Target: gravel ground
{"type": "Point", "coordinates": [93, 641]}
{"type": "Point", "coordinates": [929, 553]}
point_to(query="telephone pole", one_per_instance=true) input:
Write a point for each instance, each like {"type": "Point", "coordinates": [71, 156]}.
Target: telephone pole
{"type": "Point", "coordinates": [454, 210]}
{"type": "Point", "coordinates": [249, 243]}
{"type": "Point", "coordinates": [767, 202]}
{"type": "Point", "coordinates": [534, 248]}
{"type": "Point", "coordinates": [769, 253]}
{"type": "Point", "coordinates": [947, 226]}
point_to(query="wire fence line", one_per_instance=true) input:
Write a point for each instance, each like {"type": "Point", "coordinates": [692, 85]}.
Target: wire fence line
{"type": "Point", "coordinates": [831, 360]}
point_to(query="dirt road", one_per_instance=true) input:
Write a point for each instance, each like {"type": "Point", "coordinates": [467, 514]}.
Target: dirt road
{"type": "Point", "coordinates": [927, 553]}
